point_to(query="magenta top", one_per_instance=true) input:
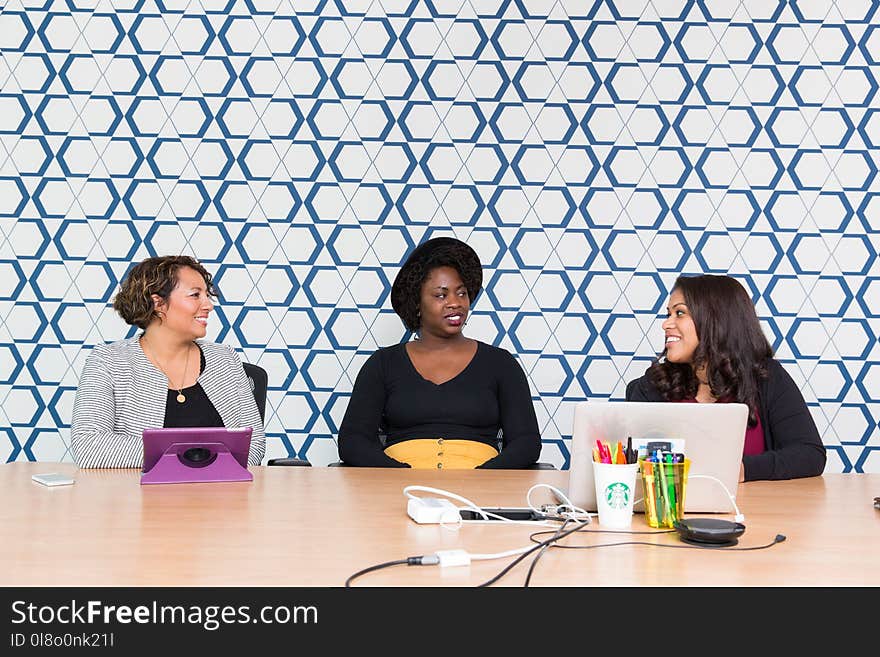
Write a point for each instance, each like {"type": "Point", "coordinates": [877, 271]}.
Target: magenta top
{"type": "Point", "coordinates": [754, 439]}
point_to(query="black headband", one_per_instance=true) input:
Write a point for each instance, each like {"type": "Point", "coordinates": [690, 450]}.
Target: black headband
{"type": "Point", "coordinates": [428, 255]}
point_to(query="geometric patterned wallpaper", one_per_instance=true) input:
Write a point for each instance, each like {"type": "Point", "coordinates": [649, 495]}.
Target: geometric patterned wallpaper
{"type": "Point", "coordinates": [589, 150]}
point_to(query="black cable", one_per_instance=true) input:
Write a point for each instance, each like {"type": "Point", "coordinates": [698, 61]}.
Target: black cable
{"type": "Point", "coordinates": [541, 553]}
{"type": "Point", "coordinates": [425, 560]}
{"type": "Point", "coordinates": [603, 531]}
{"type": "Point", "coordinates": [387, 564]}
{"type": "Point", "coordinates": [585, 531]}
{"type": "Point", "coordinates": [553, 542]}
{"type": "Point", "coordinates": [708, 546]}
{"type": "Point", "coordinates": [558, 535]}
{"type": "Point", "coordinates": [533, 564]}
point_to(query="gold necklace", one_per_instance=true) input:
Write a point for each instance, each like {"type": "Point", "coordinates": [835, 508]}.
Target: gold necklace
{"type": "Point", "coordinates": [180, 396]}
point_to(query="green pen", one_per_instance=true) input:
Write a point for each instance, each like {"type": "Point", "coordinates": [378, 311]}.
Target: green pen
{"type": "Point", "coordinates": [670, 480]}
{"type": "Point", "coordinates": [661, 494]}
{"type": "Point", "coordinates": [679, 494]}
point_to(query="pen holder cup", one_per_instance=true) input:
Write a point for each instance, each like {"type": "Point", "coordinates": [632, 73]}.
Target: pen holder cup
{"type": "Point", "coordinates": [665, 487]}
{"type": "Point", "coordinates": [615, 489]}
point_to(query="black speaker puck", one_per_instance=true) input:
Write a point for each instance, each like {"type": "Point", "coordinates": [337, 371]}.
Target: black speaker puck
{"type": "Point", "coordinates": [712, 544]}
{"type": "Point", "coordinates": [709, 532]}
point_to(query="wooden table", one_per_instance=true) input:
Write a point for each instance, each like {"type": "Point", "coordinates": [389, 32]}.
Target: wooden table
{"type": "Point", "coordinates": [301, 526]}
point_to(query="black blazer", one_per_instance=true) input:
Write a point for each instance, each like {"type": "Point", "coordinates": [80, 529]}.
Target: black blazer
{"type": "Point", "coordinates": [792, 444]}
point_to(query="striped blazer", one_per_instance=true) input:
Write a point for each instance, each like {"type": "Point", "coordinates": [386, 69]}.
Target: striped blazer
{"type": "Point", "coordinates": [121, 393]}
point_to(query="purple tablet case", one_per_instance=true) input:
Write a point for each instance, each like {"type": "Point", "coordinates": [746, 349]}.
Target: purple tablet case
{"type": "Point", "coordinates": [194, 455]}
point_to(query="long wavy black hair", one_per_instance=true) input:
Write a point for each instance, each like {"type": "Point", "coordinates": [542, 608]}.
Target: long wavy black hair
{"type": "Point", "coordinates": [732, 346]}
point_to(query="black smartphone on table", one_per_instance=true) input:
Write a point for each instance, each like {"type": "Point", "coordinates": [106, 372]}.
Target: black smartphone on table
{"type": "Point", "coordinates": [509, 513]}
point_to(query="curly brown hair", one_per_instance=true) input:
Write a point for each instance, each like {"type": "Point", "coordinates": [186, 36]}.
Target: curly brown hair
{"type": "Point", "coordinates": [732, 346]}
{"type": "Point", "coordinates": [406, 292]}
{"type": "Point", "coordinates": [158, 275]}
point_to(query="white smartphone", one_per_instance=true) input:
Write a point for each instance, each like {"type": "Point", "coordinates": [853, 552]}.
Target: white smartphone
{"type": "Point", "coordinates": [52, 479]}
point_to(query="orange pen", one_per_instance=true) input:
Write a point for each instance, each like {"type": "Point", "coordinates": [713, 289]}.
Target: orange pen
{"type": "Point", "coordinates": [621, 457]}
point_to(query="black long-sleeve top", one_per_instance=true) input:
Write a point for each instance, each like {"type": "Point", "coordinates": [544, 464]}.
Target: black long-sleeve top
{"type": "Point", "coordinates": [391, 398]}
{"type": "Point", "coordinates": [792, 444]}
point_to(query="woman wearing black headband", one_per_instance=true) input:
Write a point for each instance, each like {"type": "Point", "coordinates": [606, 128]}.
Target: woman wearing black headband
{"type": "Point", "coordinates": [442, 400]}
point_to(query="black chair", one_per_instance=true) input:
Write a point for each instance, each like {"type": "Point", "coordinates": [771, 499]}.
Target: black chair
{"type": "Point", "coordinates": [259, 380]}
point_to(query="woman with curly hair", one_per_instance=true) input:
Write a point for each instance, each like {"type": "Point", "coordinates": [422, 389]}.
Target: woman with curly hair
{"type": "Point", "coordinates": [441, 400]}
{"type": "Point", "coordinates": [715, 351]}
{"type": "Point", "coordinates": [164, 377]}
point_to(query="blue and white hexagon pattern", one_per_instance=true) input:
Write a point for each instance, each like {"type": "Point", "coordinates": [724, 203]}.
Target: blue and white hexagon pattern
{"type": "Point", "coordinates": [589, 150]}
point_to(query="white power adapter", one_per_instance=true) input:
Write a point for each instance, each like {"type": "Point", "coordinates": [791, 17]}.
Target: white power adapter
{"type": "Point", "coordinates": [452, 558]}
{"type": "Point", "coordinates": [431, 510]}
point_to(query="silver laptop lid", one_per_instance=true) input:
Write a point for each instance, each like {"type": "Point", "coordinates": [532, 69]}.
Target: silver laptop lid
{"type": "Point", "coordinates": [710, 435]}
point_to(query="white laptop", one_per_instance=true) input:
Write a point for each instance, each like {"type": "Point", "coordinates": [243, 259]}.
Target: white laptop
{"type": "Point", "coordinates": [710, 435]}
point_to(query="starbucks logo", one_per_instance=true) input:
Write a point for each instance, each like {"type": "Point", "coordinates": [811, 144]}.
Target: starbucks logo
{"type": "Point", "coordinates": [617, 495]}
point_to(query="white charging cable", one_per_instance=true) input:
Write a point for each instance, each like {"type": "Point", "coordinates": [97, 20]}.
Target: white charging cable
{"type": "Point", "coordinates": [565, 510]}
{"type": "Point", "coordinates": [407, 490]}
{"type": "Point", "coordinates": [460, 557]}
{"type": "Point", "coordinates": [739, 517]}
{"type": "Point", "coordinates": [455, 523]}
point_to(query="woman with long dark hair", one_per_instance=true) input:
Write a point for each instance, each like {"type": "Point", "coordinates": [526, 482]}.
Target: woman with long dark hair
{"type": "Point", "coordinates": [715, 351]}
